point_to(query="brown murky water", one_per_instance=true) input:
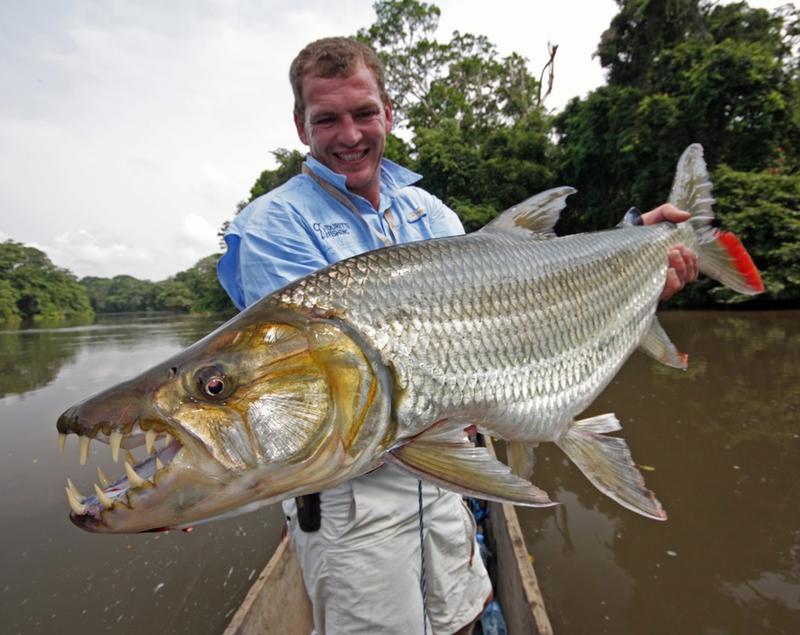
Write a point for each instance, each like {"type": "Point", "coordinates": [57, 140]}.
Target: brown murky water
{"type": "Point", "coordinates": [56, 578]}
{"type": "Point", "coordinates": [723, 442]}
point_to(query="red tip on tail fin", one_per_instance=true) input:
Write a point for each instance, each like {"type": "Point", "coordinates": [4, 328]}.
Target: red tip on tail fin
{"type": "Point", "coordinates": [741, 259]}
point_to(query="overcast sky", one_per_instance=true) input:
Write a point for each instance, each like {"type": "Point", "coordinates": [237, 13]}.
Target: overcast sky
{"type": "Point", "coordinates": [130, 130]}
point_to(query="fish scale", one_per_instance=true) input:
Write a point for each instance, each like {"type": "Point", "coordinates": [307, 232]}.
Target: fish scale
{"type": "Point", "coordinates": [543, 327]}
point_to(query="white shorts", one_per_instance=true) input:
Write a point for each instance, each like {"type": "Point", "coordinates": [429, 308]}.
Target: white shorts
{"type": "Point", "coordinates": [362, 568]}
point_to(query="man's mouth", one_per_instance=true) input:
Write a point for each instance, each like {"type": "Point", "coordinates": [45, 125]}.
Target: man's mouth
{"type": "Point", "coordinates": [351, 157]}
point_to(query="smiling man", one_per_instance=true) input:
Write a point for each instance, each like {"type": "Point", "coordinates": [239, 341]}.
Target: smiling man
{"type": "Point", "coordinates": [359, 543]}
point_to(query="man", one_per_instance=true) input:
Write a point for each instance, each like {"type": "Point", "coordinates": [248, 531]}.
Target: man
{"type": "Point", "coordinates": [361, 566]}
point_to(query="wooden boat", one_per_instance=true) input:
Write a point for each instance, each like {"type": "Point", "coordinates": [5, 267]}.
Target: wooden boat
{"type": "Point", "coordinates": [277, 602]}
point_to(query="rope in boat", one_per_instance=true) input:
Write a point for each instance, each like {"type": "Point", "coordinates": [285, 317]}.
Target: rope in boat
{"type": "Point", "coordinates": [423, 578]}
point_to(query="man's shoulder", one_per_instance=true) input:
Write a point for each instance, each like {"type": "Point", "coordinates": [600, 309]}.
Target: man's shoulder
{"type": "Point", "coordinates": [414, 193]}
{"type": "Point", "coordinates": [285, 201]}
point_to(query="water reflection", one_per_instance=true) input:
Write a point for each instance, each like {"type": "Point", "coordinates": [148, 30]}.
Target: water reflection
{"type": "Point", "coordinates": [725, 444]}
{"type": "Point", "coordinates": [54, 578]}
{"type": "Point", "coordinates": [32, 358]}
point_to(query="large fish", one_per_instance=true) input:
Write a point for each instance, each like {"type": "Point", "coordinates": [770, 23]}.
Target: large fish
{"type": "Point", "coordinates": [388, 356]}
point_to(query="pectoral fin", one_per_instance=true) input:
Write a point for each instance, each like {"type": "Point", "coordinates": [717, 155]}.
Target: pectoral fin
{"type": "Point", "coordinates": [450, 460]}
{"type": "Point", "coordinates": [606, 462]}
{"type": "Point", "coordinates": [656, 344]}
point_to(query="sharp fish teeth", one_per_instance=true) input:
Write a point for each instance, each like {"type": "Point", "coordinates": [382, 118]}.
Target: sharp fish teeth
{"type": "Point", "coordinates": [62, 439]}
{"type": "Point", "coordinates": [102, 476]}
{"type": "Point", "coordinates": [84, 441]}
{"type": "Point", "coordinates": [159, 464]}
{"type": "Point", "coordinates": [71, 487]}
{"type": "Point", "coordinates": [101, 496]}
{"type": "Point", "coordinates": [115, 440]}
{"type": "Point", "coordinates": [150, 440]}
{"type": "Point", "coordinates": [130, 458]}
{"type": "Point", "coordinates": [133, 477]}
{"type": "Point", "coordinates": [78, 507]}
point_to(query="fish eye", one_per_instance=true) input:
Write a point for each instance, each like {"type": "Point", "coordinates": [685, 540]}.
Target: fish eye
{"type": "Point", "coordinates": [212, 382]}
{"type": "Point", "coordinates": [214, 386]}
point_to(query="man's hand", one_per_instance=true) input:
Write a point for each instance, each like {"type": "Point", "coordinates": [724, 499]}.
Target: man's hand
{"type": "Point", "coordinates": [682, 262]}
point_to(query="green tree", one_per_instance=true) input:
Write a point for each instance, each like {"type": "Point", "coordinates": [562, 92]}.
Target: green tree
{"type": "Point", "coordinates": [33, 288]}
{"type": "Point", "coordinates": [464, 80]}
{"type": "Point", "coordinates": [682, 71]}
{"type": "Point", "coordinates": [479, 135]}
{"type": "Point", "coordinates": [201, 282]}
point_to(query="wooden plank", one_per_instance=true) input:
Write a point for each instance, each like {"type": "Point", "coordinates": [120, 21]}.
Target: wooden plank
{"type": "Point", "coordinates": [517, 587]}
{"type": "Point", "coordinates": [277, 602]}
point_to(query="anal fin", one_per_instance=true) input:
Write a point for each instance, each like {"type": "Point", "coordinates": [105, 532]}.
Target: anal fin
{"type": "Point", "coordinates": [450, 460]}
{"type": "Point", "coordinates": [656, 344]}
{"type": "Point", "coordinates": [607, 463]}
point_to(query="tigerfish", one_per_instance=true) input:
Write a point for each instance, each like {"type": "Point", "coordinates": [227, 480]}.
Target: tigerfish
{"type": "Point", "coordinates": [389, 356]}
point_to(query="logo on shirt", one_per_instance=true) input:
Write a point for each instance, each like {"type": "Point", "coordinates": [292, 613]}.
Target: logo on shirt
{"type": "Point", "coordinates": [331, 230]}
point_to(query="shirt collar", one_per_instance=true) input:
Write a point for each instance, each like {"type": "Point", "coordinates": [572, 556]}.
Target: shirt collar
{"type": "Point", "coordinates": [393, 176]}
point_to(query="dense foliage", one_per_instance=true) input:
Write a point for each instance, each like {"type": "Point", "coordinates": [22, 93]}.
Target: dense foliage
{"type": "Point", "coordinates": [194, 290]}
{"type": "Point", "coordinates": [33, 288]}
{"type": "Point", "coordinates": [680, 72]}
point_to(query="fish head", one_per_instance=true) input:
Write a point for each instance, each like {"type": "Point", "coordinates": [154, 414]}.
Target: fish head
{"type": "Point", "coordinates": [273, 404]}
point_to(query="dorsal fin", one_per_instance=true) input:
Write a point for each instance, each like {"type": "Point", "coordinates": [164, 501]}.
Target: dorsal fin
{"type": "Point", "coordinates": [537, 214]}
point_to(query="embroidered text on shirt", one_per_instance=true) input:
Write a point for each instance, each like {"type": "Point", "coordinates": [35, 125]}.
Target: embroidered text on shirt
{"type": "Point", "coordinates": [331, 230]}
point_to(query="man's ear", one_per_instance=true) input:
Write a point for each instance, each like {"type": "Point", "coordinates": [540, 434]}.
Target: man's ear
{"type": "Point", "coordinates": [299, 124]}
{"type": "Point", "coordinates": [389, 114]}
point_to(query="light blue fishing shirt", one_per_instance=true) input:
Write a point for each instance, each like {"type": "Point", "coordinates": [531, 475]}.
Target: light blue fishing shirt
{"type": "Point", "coordinates": [300, 227]}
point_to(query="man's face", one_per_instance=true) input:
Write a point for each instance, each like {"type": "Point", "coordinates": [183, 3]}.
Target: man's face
{"type": "Point", "coordinates": [345, 126]}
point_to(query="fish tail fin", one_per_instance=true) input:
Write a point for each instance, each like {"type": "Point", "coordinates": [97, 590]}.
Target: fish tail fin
{"type": "Point", "coordinates": [607, 463]}
{"type": "Point", "coordinates": [721, 254]}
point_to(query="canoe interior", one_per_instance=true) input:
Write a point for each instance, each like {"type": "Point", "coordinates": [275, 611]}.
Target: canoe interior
{"type": "Point", "coordinates": [277, 602]}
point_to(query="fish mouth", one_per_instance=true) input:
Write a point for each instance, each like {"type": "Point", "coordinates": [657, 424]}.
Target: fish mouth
{"type": "Point", "coordinates": [141, 477]}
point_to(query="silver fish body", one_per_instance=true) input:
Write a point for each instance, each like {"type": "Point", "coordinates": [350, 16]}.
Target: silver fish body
{"type": "Point", "coordinates": [515, 335]}
{"type": "Point", "coordinates": [388, 356]}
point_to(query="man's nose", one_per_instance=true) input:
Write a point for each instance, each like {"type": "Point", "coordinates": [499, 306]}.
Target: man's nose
{"type": "Point", "coordinates": [349, 132]}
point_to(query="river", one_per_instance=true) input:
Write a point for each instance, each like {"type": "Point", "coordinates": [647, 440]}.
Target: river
{"type": "Point", "coordinates": [719, 443]}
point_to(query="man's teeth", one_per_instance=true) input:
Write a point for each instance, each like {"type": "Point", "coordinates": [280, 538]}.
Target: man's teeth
{"type": "Point", "coordinates": [352, 156]}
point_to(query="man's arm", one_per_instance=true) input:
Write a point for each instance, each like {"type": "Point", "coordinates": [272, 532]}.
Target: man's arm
{"type": "Point", "coordinates": [272, 248]}
{"type": "Point", "coordinates": [682, 262]}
